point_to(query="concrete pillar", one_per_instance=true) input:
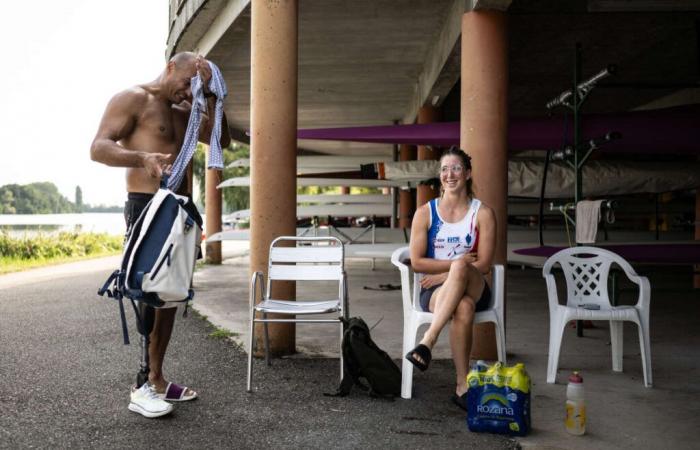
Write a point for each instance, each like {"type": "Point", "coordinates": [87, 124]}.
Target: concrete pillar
{"type": "Point", "coordinates": [483, 129]}
{"type": "Point", "coordinates": [273, 125]}
{"type": "Point", "coordinates": [425, 193]}
{"type": "Point", "coordinates": [407, 205]}
{"type": "Point", "coordinates": [212, 211]}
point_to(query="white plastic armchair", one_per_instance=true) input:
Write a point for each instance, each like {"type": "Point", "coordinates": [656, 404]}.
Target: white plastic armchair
{"type": "Point", "coordinates": [414, 316]}
{"type": "Point", "coordinates": [586, 272]}
{"type": "Point", "coordinates": [310, 259]}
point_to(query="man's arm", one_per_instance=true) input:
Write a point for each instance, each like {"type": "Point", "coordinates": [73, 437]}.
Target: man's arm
{"type": "Point", "coordinates": [118, 122]}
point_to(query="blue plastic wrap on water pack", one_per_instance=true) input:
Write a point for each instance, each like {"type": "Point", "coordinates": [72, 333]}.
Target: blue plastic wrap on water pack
{"type": "Point", "coordinates": [498, 399]}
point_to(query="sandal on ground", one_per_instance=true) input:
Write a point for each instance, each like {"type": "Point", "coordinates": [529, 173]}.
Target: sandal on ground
{"type": "Point", "coordinates": [177, 393]}
{"type": "Point", "coordinates": [460, 400]}
{"type": "Point", "coordinates": [425, 355]}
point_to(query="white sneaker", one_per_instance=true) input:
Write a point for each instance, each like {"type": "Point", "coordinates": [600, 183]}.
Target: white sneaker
{"type": "Point", "coordinates": [145, 401]}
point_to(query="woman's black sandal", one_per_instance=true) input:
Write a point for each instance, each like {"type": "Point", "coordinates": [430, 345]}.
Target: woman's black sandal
{"type": "Point", "coordinates": [425, 355]}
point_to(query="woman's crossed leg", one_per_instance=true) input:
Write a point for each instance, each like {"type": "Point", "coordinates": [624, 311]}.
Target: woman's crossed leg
{"type": "Point", "coordinates": [456, 300]}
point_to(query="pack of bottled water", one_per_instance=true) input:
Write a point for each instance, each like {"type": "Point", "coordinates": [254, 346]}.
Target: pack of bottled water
{"type": "Point", "coordinates": [498, 399]}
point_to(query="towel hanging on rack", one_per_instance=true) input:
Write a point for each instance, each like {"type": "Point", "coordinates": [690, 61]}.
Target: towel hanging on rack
{"type": "Point", "coordinates": [587, 218]}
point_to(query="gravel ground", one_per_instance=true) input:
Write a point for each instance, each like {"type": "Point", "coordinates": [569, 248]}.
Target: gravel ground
{"type": "Point", "coordinates": [65, 384]}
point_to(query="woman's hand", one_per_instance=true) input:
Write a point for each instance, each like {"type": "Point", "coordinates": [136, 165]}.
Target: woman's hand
{"type": "Point", "coordinates": [429, 280]}
{"type": "Point", "coordinates": [470, 257]}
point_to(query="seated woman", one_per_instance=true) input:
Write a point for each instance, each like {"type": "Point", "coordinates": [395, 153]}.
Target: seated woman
{"type": "Point", "coordinates": [452, 242]}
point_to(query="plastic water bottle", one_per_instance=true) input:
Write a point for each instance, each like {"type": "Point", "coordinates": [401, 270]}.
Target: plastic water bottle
{"type": "Point", "coordinates": [575, 421]}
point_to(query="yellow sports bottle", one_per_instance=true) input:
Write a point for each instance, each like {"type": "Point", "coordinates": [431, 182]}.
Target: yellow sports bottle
{"type": "Point", "coordinates": [575, 406]}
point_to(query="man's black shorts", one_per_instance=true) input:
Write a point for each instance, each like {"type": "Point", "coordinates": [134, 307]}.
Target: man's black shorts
{"type": "Point", "coordinates": [135, 204]}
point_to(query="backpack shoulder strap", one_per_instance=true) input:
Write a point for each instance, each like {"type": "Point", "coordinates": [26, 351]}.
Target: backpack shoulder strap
{"type": "Point", "coordinates": [117, 293]}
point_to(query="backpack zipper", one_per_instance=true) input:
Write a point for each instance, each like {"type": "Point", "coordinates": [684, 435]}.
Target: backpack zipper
{"type": "Point", "coordinates": [160, 264]}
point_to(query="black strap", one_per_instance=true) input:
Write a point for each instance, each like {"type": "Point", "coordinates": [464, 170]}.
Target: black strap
{"type": "Point", "coordinates": [122, 315]}
{"type": "Point", "coordinates": [116, 294]}
{"type": "Point", "coordinates": [164, 181]}
{"type": "Point", "coordinates": [105, 287]}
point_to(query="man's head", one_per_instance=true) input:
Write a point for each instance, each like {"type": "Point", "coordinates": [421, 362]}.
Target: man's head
{"type": "Point", "coordinates": [178, 73]}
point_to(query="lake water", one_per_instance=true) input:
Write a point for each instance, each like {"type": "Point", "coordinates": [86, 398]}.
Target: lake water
{"type": "Point", "coordinates": [21, 224]}
{"type": "Point", "coordinates": [29, 224]}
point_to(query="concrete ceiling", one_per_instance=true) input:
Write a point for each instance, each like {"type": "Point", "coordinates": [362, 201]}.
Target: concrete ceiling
{"type": "Point", "coordinates": [359, 61]}
{"type": "Point", "coordinates": [655, 54]}
{"type": "Point", "coordinates": [375, 62]}
{"type": "Point", "coordinates": [364, 62]}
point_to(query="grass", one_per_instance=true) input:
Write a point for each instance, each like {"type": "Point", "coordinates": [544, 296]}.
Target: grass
{"type": "Point", "coordinates": [199, 315]}
{"type": "Point", "coordinates": [222, 333]}
{"type": "Point", "coordinates": [218, 333]}
{"type": "Point", "coordinates": [225, 335]}
{"type": "Point", "coordinates": [24, 253]}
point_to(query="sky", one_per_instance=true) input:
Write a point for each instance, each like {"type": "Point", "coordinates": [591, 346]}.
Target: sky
{"type": "Point", "coordinates": [64, 60]}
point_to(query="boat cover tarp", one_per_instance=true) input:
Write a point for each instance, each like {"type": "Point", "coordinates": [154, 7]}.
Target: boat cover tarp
{"type": "Point", "coordinates": [659, 131]}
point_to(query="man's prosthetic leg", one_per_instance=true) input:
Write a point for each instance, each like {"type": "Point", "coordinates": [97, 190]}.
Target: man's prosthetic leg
{"type": "Point", "coordinates": [146, 320]}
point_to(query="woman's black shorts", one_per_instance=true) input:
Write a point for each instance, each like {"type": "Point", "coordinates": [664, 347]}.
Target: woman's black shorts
{"type": "Point", "coordinates": [481, 305]}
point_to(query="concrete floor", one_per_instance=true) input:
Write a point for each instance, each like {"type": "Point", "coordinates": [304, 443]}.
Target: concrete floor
{"type": "Point", "coordinates": [622, 413]}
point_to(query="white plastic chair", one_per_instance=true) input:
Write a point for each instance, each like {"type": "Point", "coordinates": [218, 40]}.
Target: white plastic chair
{"type": "Point", "coordinates": [586, 272]}
{"type": "Point", "coordinates": [414, 316]}
{"type": "Point", "coordinates": [310, 259]}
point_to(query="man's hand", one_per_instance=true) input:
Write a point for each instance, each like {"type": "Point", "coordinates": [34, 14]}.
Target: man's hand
{"type": "Point", "coordinates": [470, 257]}
{"type": "Point", "coordinates": [156, 163]}
{"type": "Point", "coordinates": [204, 72]}
{"type": "Point", "coordinates": [429, 281]}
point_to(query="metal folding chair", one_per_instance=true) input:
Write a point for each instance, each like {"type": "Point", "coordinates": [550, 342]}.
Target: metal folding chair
{"type": "Point", "coordinates": [308, 259]}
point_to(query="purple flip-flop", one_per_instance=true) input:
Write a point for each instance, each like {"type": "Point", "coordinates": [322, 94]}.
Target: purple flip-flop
{"type": "Point", "coordinates": [176, 393]}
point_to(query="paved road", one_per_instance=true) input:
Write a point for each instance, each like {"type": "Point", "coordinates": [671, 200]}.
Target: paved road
{"type": "Point", "coordinates": [64, 377]}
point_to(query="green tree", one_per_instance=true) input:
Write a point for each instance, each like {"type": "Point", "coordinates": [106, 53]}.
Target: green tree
{"type": "Point", "coordinates": [78, 199]}
{"type": "Point", "coordinates": [7, 202]}
{"type": "Point", "coordinates": [234, 198]}
{"type": "Point", "coordinates": [36, 198]}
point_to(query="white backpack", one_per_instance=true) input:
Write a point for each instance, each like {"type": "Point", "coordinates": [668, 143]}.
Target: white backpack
{"type": "Point", "coordinates": [159, 255]}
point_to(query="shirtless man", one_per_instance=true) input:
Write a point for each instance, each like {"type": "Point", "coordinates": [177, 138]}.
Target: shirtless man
{"type": "Point", "coordinates": [143, 129]}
